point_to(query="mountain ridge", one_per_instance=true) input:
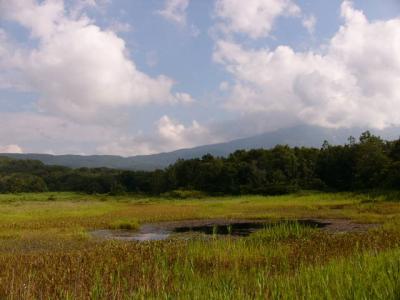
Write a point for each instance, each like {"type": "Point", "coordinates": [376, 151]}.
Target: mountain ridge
{"type": "Point", "coordinates": [305, 135]}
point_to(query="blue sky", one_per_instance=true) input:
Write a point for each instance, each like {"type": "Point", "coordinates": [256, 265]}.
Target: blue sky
{"type": "Point", "coordinates": [143, 76]}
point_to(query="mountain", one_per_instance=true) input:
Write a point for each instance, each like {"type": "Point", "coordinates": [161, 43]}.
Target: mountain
{"type": "Point", "coordinates": [310, 136]}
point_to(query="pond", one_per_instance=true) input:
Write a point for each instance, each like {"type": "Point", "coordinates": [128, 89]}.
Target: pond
{"type": "Point", "coordinates": [241, 228]}
{"type": "Point", "coordinates": [129, 235]}
{"type": "Point", "coordinates": [162, 231]}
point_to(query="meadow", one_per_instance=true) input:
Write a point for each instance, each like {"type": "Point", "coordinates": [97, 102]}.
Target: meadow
{"type": "Point", "coordinates": [47, 252]}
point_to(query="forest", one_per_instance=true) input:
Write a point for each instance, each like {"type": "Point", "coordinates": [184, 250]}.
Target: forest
{"type": "Point", "coordinates": [364, 164]}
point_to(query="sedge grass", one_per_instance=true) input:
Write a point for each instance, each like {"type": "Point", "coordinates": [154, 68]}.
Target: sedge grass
{"type": "Point", "coordinates": [46, 252]}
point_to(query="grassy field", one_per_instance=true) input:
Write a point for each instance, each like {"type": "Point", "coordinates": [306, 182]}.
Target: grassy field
{"type": "Point", "coordinates": [47, 253]}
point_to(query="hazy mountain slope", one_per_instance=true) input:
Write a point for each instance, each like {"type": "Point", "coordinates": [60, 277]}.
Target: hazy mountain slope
{"type": "Point", "coordinates": [296, 136]}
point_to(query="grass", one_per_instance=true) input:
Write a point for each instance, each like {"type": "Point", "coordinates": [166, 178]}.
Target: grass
{"type": "Point", "coordinates": [365, 276]}
{"type": "Point", "coordinates": [47, 253]}
{"type": "Point", "coordinates": [284, 231]}
{"type": "Point", "coordinates": [125, 225]}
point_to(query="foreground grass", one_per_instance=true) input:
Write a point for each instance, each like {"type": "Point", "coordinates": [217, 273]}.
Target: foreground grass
{"type": "Point", "coordinates": [363, 276]}
{"type": "Point", "coordinates": [46, 253]}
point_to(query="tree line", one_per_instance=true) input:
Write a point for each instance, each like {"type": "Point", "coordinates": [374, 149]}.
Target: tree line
{"type": "Point", "coordinates": [366, 163]}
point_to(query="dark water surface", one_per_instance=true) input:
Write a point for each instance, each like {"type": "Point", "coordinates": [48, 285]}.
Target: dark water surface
{"type": "Point", "coordinates": [159, 232]}
{"type": "Point", "coordinates": [241, 228]}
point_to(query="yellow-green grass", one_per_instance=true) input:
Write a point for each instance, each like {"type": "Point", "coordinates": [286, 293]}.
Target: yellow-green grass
{"type": "Point", "coordinates": [68, 212]}
{"type": "Point", "coordinates": [47, 253]}
{"type": "Point", "coordinates": [35, 211]}
{"type": "Point", "coordinates": [125, 225]}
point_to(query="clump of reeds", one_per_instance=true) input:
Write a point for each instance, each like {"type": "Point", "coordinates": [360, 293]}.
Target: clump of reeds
{"type": "Point", "coordinates": [124, 225]}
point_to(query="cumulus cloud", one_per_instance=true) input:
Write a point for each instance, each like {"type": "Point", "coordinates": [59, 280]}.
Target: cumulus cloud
{"type": "Point", "coordinates": [175, 11]}
{"type": "Point", "coordinates": [177, 134]}
{"type": "Point", "coordinates": [170, 135]}
{"type": "Point", "coordinates": [83, 74]}
{"type": "Point", "coordinates": [353, 80]}
{"type": "Point", "coordinates": [78, 69]}
{"type": "Point", "coordinates": [11, 149]}
{"type": "Point", "coordinates": [253, 17]}
{"type": "Point", "coordinates": [63, 136]}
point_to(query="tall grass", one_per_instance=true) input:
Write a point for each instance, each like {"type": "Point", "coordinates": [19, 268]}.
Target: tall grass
{"type": "Point", "coordinates": [46, 253]}
{"type": "Point", "coordinates": [312, 266]}
{"type": "Point", "coordinates": [363, 276]}
{"type": "Point", "coordinates": [284, 230]}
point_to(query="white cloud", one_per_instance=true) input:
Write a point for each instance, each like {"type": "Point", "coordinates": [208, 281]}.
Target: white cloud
{"type": "Point", "coordinates": [42, 19]}
{"type": "Point", "coordinates": [36, 130]}
{"type": "Point", "coordinates": [175, 11]}
{"type": "Point", "coordinates": [184, 98]}
{"type": "Point", "coordinates": [80, 70]}
{"type": "Point", "coordinates": [80, 84]}
{"type": "Point", "coordinates": [11, 149]}
{"type": "Point", "coordinates": [309, 23]}
{"type": "Point", "coordinates": [253, 17]}
{"type": "Point", "coordinates": [3, 51]}
{"type": "Point", "coordinates": [38, 133]}
{"type": "Point", "coordinates": [78, 7]}
{"type": "Point", "coordinates": [4, 60]}
{"type": "Point", "coordinates": [179, 136]}
{"type": "Point", "coordinates": [170, 135]}
{"type": "Point", "coordinates": [353, 80]}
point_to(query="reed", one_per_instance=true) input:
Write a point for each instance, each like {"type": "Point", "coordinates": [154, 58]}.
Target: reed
{"type": "Point", "coordinates": [47, 253]}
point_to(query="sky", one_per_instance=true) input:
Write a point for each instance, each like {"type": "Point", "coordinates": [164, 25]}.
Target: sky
{"type": "Point", "coordinates": [130, 77]}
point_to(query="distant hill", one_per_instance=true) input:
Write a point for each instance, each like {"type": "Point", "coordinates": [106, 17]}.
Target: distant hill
{"type": "Point", "coordinates": [311, 136]}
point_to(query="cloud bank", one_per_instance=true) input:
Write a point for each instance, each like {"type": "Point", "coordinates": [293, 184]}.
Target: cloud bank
{"type": "Point", "coordinates": [10, 149]}
{"type": "Point", "coordinates": [85, 79]}
{"type": "Point", "coordinates": [354, 80]}
{"type": "Point", "coordinates": [79, 69]}
{"type": "Point", "coordinates": [88, 84]}
{"type": "Point", "coordinates": [169, 135]}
